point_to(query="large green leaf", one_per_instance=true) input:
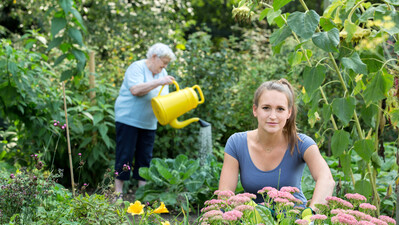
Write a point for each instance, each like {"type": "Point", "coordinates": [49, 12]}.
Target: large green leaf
{"type": "Point", "coordinates": [350, 29]}
{"type": "Point", "coordinates": [343, 108]}
{"type": "Point", "coordinates": [355, 63]}
{"type": "Point", "coordinates": [54, 43]}
{"type": "Point", "coordinates": [194, 165]}
{"type": "Point", "coordinates": [194, 185]}
{"type": "Point", "coordinates": [97, 118]}
{"type": "Point", "coordinates": [264, 13]}
{"type": "Point", "coordinates": [327, 41]}
{"type": "Point", "coordinates": [304, 24]}
{"type": "Point", "coordinates": [163, 171]}
{"type": "Point", "coordinates": [346, 165]}
{"type": "Point", "coordinates": [394, 115]}
{"type": "Point", "coordinates": [168, 198]}
{"type": "Point", "coordinates": [272, 15]}
{"type": "Point", "coordinates": [280, 3]}
{"type": "Point", "coordinates": [266, 216]}
{"type": "Point", "coordinates": [76, 35]}
{"type": "Point", "coordinates": [313, 78]}
{"type": "Point", "coordinates": [393, 2]}
{"type": "Point", "coordinates": [339, 142]}
{"type": "Point", "coordinates": [378, 87]}
{"type": "Point", "coordinates": [363, 187]}
{"type": "Point", "coordinates": [57, 24]}
{"type": "Point", "coordinates": [66, 5]}
{"type": "Point", "coordinates": [368, 114]}
{"type": "Point", "coordinates": [280, 35]}
{"type": "Point", "coordinates": [364, 148]}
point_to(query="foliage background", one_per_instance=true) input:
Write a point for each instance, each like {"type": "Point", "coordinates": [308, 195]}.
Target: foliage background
{"type": "Point", "coordinates": [225, 57]}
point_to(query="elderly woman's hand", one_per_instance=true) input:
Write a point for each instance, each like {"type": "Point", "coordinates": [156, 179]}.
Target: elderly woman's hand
{"type": "Point", "coordinates": [166, 80]}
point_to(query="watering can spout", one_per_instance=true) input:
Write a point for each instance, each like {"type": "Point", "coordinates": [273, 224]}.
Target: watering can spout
{"type": "Point", "coordinates": [178, 125]}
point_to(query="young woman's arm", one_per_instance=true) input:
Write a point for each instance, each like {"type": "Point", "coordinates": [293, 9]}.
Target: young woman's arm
{"type": "Point", "coordinates": [229, 175]}
{"type": "Point", "coordinates": [321, 174]}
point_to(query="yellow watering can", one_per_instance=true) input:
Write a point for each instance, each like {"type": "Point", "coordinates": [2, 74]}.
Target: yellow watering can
{"type": "Point", "coordinates": [168, 107]}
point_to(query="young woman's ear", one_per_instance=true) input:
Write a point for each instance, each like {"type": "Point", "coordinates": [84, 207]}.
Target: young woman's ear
{"type": "Point", "coordinates": [254, 110]}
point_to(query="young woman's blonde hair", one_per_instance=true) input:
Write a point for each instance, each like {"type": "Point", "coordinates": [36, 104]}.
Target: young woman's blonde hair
{"type": "Point", "coordinates": [283, 86]}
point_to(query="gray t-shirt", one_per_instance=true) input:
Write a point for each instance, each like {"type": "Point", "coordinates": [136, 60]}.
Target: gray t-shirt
{"type": "Point", "coordinates": [287, 173]}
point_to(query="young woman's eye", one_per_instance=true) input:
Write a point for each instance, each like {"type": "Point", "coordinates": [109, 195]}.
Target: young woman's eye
{"type": "Point", "coordinates": [265, 107]}
{"type": "Point", "coordinates": [281, 109]}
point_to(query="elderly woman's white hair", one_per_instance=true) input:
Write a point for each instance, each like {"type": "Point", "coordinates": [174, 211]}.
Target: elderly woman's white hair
{"type": "Point", "coordinates": [161, 50]}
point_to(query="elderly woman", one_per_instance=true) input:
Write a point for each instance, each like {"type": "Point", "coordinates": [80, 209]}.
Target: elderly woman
{"type": "Point", "coordinates": [134, 119]}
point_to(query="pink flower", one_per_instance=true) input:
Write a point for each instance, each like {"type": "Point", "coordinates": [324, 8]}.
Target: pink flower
{"type": "Point", "coordinates": [338, 211]}
{"type": "Point", "coordinates": [387, 219]}
{"type": "Point", "coordinates": [238, 200]}
{"type": "Point", "coordinates": [355, 196]}
{"type": "Point", "coordinates": [344, 218]}
{"type": "Point", "coordinates": [367, 206]}
{"type": "Point", "coordinates": [249, 195]}
{"type": "Point", "coordinates": [318, 217]}
{"type": "Point", "coordinates": [378, 221]}
{"type": "Point", "coordinates": [79, 154]}
{"type": "Point", "coordinates": [224, 194]}
{"type": "Point", "coordinates": [266, 189]}
{"type": "Point", "coordinates": [289, 189]}
{"type": "Point", "coordinates": [364, 222]}
{"type": "Point", "coordinates": [302, 222]}
{"type": "Point", "coordinates": [213, 215]}
{"type": "Point", "coordinates": [232, 215]}
{"type": "Point", "coordinates": [243, 208]}
{"type": "Point", "coordinates": [214, 202]}
{"type": "Point", "coordinates": [332, 200]}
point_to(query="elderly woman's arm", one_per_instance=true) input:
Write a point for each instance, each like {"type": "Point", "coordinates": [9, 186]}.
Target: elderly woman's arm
{"type": "Point", "coordinates": [321, 174]}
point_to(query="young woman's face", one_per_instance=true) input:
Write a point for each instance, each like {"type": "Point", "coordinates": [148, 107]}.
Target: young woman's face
{"type": "Point", "coordinates": [272, 111]}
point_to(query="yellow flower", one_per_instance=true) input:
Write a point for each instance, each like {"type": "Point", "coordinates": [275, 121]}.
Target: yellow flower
{"type": "Point", "coordinates": [161, 209]}
{"type": "Point", "coordinates": [181, 46]}
{"type": "Point", "coordinates": [136, 208]}
{"type": "Point", "coordinates": [165, 223]}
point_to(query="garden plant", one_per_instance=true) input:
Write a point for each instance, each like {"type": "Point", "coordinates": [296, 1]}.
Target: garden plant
{"type": "Point", "coordinates": [57, 140]}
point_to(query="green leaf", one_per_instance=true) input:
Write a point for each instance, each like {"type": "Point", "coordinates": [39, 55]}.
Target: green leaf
{"type": "Point", "coordinates": [393, 2]}
{"type": "Point", "coordinates": [88, 115]}
{"type": "Point", "coordinates": [378, 87]}
{"type": "Point", "coordinates": [346, 163]}
{"type": "Point", "coordinates": [339, 142]}
{"type": "Point", "coordinates": [343, 108]}
{"type": "Point", "coordinates": [66, 5]}
{"type": "Point", "coordinates": [326, 24]}
{"type": "Point", "coordinates": [363, 187]}
{"type": "Point", "coordinates": [264, 213]}
{"type": "Point", "coordinates": [194, 185]}
{"type": "Point", "coordinates": [376, 160]}
{"type": "Point", "coordinates": [368, 114]}
{"type": "Point", "coordinates": [327, 41]}
{"type": "Point", "coordinates": [355, 63]}
{"type": "Point", "coordinates": [364, 148]}
{"type": "Point", "coordinates": [272, 15]}
{"type": "Point", "coordinates": [394, 115]}
{"type": "Point", "coordinates": [163, 171]}
{"type": "Point", "coordinates": [313, 78]}
{"type": "Point", "coordinates": [264, 13]}
{"type": "Point", "coordinates": [54, 43]}
{"type": "Point", "coordinates": [295, 58]}
{"type": "Point", "coordinates": [144, 173]}
{"type": "Point", "coordinates": [76, 35]}
{"type": "Point", "coordinates": [97, 118]}
{"type": "Point", "coordinates": [191, 169]}
{"type": "Point", "coordinates": [368, 14]}
{"type": "Point", "coordinates": [304, 24]}
{"type": "Point", "coordinates": [280, 35]}
{"type": "Point", "coordinates": [60, 59]}
{"type": "Point", "coordinates": [78, 17]}
{"type": "Point", "coordinates": [279, 4]}
{"type": "Point", "coordinates": [12, 68]}
{"type": "Point", "coordinates": [65, 75]}
{"type": "Point", "coordinates": [57, 24]}
{"type": "Point", "coordinates": [168, 198]}
{"type": "Point", "coordinates": [350, 28]}
{"type": "Point", "coordinates": [103, 129]}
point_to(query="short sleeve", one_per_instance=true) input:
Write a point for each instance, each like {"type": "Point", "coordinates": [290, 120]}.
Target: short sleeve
{"type": "Point", "coordinates": [231, 147]}
{"type": "Point", "coordinates": [304, 143]}
{"type": "Point", "coordinates": [134, 75]}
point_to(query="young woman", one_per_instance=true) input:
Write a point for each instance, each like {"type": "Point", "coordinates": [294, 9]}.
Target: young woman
{"type": "Point", "coordinates": [274, 154]}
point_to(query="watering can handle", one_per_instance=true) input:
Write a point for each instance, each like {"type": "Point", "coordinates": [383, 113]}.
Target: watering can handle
{"type": "Point", "coordinates": [175, 83]}
{"type": "Point", "coordinates": [200, 93]}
